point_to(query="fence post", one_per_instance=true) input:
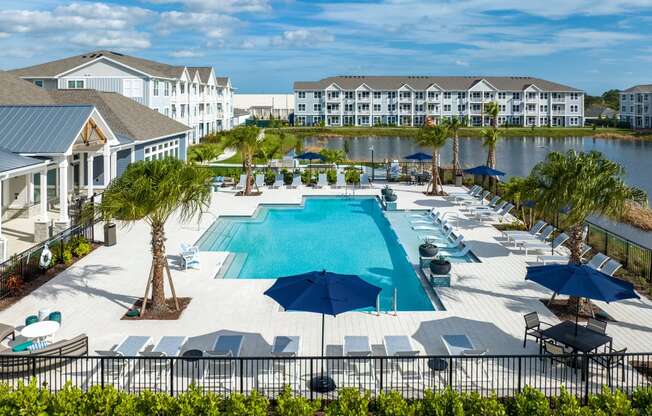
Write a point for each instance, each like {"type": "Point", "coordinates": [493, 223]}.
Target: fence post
{"type": "Point", "coordinates": [450, 372]}
{"type": "Point", "coordinates": [241, 375]}
{"type": "Point", "coordinates": [381, 373]}
{"type": "Point", "coordinates": [585, 373]}
{"type": "Point", "coordinates": [102, 372]}
{"type": "Point", "coordinates": [312, 376]}
{"type": "Point", "coordinates": [171, 366]}
{"type": "Point", "coordinates": [33, 361]}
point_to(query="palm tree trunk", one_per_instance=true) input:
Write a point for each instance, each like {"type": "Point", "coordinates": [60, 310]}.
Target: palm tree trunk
{"type": "Point", "coordinates": [247, 190]}
{"type": "Point", "coordinates": [435, 172]}
{"type": "Point", "coordinates": [456, 156]}
{"type": "Point", "coordinates": [159, 260]}
{"type": "Point", "coordinates": [575, 246]}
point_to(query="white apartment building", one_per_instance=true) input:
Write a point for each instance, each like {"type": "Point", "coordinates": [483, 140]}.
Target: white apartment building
{"type": "Point", "coordinates": [411, 100]}
{"type": "Point", "coordinates": [194, 96]}
{"type": "Point", "coordinates": [636, 106]}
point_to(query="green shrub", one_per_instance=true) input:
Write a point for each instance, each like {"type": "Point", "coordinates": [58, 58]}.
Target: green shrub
{"type": "Point", "coordinates": [253, 405]}
{"type": "Point", "coordinates": [331, 176]}
{"type": "Point", "coordinates": [81, 247]}
{"type": "Point", "coordinates": [393, 404]}
{"type": "Point", "coordinates": [27, 399]}
{"type": "Point", "coordinates": [610, 403]}
{"type": "Point", "coordinates": [59, 257]}
{"type": "Point", "coordinates": [155, 403]}
{"type": "Point", "coordinates": [288, 177]}
{"type": "Point", "coordinates": [270, 178]}
{"type": "Point", "coordinates": [352, 176]}
{"type": "Point", "coordinates": [195, 401]}
{"type": "Point", "coordinates": [108, 401]}
{"type": "Point", "coordinates": [68, 401]}
{"type": "Point", "coordinates": [308, 178]}
{"type": "Point", "coordinates": [642, 400]}
{"type": "Point", "coordinates": [529, 403]}
{"type": "Point", "coordinates": [349, 403]}
{"type": "Point", "coordinates": [567, 404]}
{"type": "Point", "coordinates": [444, 403]}
{"type": "Point", "coordinates": [476, 405]}
{"type": "Point", "coordinates": [289, 405]}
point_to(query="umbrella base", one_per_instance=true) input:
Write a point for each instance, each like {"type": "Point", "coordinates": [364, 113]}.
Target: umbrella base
{"type": "Point", "coordinates": [322, 384]}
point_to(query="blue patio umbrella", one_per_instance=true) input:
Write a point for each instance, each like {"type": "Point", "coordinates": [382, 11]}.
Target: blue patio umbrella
{"type": "Point", "coordinates": [419, 156]}
{"type": "Point", "coordinates": [581, 281]}
{"type": "Point", "coordinates": [325, 293]}
{"type": "Point", "coordinates": [484, 170]}
{"type": "Point", "coordinates": [310, 156]}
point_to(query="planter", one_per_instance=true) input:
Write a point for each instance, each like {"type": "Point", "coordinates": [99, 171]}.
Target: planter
{"type": "Point", "coordinates": [386, 190]}
{"type": "Point", "coordinates": [440, 267]}
{"type": "Point", "coordinates": [391, 197]}
{"type": "Point", "coordinates": [428, 250]}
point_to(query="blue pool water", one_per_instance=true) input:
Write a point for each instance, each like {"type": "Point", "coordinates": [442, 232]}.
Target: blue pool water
{"type": "Point", "coordinates": [342, 235]}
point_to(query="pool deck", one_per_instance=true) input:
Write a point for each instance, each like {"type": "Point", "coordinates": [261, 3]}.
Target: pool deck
{"type": "Point", "coordinates": [486, 300]}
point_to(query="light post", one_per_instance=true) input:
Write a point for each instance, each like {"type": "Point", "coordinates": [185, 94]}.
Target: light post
{"type": "Point", "coordinates": [373, 170]}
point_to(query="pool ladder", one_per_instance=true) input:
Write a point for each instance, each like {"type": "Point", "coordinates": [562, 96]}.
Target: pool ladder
{"type": "Point", "coordinates": [394, 302]}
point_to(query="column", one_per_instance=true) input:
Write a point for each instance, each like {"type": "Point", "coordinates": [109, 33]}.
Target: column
{"type": "Point", "coordinates": [42, 223]}
{"type": "Point", "coordinates": [107, 165]}
{"type": "Point", "coordinates": [82, 172]}
{"type": "Point", "coordinates": [30, 188]}
{"type": "Point", "coordinates": [3, 241]}
{"type": "Point", "coordinates": [114, 164]}
{"type": "Point", "coordinates": [64, 221]}
{"type": "Point", "coordinates": [89, 175]}
{"type": "Point", "coordinates": [133, 152]}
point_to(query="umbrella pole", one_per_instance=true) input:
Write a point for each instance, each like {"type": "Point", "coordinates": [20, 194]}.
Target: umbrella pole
{"type": "Point", "coordinates": [577, 314]}
{"type": "Point", "coordinates": [323, 324]}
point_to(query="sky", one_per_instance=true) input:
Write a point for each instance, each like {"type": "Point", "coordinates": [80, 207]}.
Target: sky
{"type": "Point", "coordinates": [266, 45]}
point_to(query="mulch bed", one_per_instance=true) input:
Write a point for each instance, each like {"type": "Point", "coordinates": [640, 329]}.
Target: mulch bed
{"type": "Point", "coordinates": [565, 313]}
{"type": "Point", "coordinates": [171, 315]}
{"type": "Point", "coordinates": [241, 193]}
{"type": "Point", "coordinates": [38, 281]}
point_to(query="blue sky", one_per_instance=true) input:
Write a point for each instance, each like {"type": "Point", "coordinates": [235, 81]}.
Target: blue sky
{"type": "Point", "coordinates": [265, 45]}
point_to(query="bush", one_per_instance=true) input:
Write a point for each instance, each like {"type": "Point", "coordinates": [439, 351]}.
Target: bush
{"type": "Point", "coordinates": [253, 405]}
{"type": "Point", "coordinates": [444, 403]}
{"type": "Point", "coordinates": [567, 405]}
{"type": "Point", "coordinates": [61, 253]}
{"type": "Point", "coordinates": [308, 178]}
{"type": "Point", "coordinates": [610, 403]}
{"type": "Point", "coordinates": [642, 400]}
{"type": "Point", "coordinates": [331, 176]}
{"type": "Point", "coordinates": [352, 176]}
{"type": "Point", "coordinates": [530, 402]}
{"type": "Point", "coordinates": [349, 403]}
{"type": "Point", "coordinates": [289, 405]}
{"type": "Point", "coordinates": [270, 178]}
{"type": "Point", "coordinates": [288, 177]}
{"type": "Point", "coordinates": [393, 404]}
{"type": "Point", "coordinates": [476, 405]}
{"type": "Point", "coordinates": [79, 246]}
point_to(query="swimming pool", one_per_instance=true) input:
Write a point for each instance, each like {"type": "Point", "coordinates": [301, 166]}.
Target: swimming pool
{"type": "Point", "coordinates": [342, 235]}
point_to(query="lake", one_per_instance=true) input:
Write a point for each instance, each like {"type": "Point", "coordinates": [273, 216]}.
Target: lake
{"type": "Point", "coordinates": [515, 155]}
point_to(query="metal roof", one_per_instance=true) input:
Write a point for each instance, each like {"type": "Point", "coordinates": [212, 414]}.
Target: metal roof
{"type": "Point", "coordinates": [11, 161]}
{"type": "Point", "coordinates": [41, 129]}
{"type": "Point", "coordinates": [447, 83]}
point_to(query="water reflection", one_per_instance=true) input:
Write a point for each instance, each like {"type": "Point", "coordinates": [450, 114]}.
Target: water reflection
{"type": "Point", "coordinates": [515, 155]}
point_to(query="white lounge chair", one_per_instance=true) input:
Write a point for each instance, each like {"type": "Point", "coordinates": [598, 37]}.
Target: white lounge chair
{"type": "Point", "coordinates": [494, 201]}
{"type": "Point", "coordinates": [431, 212]}
{"type": "Point", "coordinates": [278, 182]}
{"type": "Point", "coordinates": [436, 239]}
{"type": "Point", "coordinates": [364, 181]}
{"type": "Point", "coordinates": [455, 244]}
{"type": "Point", "coordinates": [545, 234]}
{"type": "Point", "coordinates": [321, 181]}
{"type": "Point", "coordinates": [242, 183]}
{"type": "Point", "coordinates": [541, 245]}
{"type": "Point", "coordinates": [561, 258]}
{"type": "Point", "coordinates": [340, 181]}
{"type": "Point", "coordinates": [296, 182]}
{"type": "Point", "coordinates": [460, 253]}
{"type": "Point", "coordinates": [260, 180]}
{"type": "Point", "coordinates": [597, 261]}
{"type": "Point", "coordinates": [611, 267]}
{"type": "Point", "coordinates": [429, 227]}
{"type": "Point", "coordinates": [534, 230]}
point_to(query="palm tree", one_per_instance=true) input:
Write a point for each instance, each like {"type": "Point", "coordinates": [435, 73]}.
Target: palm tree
{"type": "Point", "coordinates": [247, 140]}
{"type": "Point", "coordinates": [492, 109]}
{"type": "Point", "coordinates": [491, 137]}
{"type": "Point", "coordinates": [519, 190]}
{"type": "Point", "coordinates": [582, 184]}
{"type": "Point", "coordinates": [454, 124]}
{"type": "Point", "coordinates": [153, 191]}
{"type": "Point", "coordinates": [335, 156]}
{"type": "Point", "coordinates": [203, 153]}
{"type": "Point", "coordinates": [434, 137]}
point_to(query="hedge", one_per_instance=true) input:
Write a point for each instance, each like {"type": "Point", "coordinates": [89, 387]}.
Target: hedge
{"type": "Point", "coordinates": [29, 399]}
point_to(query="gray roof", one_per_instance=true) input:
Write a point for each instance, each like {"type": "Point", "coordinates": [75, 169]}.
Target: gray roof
{"type": "Point", "coordinates": [461, 83]}
{"type": "Point", "coordinates": [41, 129]}
{"type": "Point", "coordinates": [596, 111]}
{"type": "Point", "coordinates": [124, 116]}
{"type": "Point", "coordinates": [11, 161]}
{"type": "Point", "coordinates": [204, 72]}
{"type": "Point", "coordinates": [640, 88]}
{"type": "Point", "coordinates": [54, 68]}
{"type": "Point", "coordinates": [222, 81]}
{"type": "Point", "coordinates": [14, 90]}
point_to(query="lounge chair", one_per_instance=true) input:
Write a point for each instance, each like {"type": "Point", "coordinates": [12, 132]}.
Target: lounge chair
{"type": "Point", "coordinates": [278, 182]}
{"type": "Point", "coordinates": [545, 234]}
{"type": "Point", "coordinates": [460, 253]}
{"type": "Point", "coordinates": [597, 261]}
{"type": "Point", "coordinates": [541, 245]}
{"type": "Point", "coordinates": [360, 364]}
{"type": "Point", "coordinates": [243, 182]}
{"type": "Point", "coordinates": [296, 182]}
{"type": "Point", "coordinates": [283, 370]}
{"type": "Point", "coordinates": [152, 373]}
{"type": "Point", "coordinates": [321, 181]}
{"type": "Point", "coordinates": [189, 256]}
{"type": "Point", "coordinates": [219, 371]}
{"type": "Point", "coordinates": [610, 267]}
{"type": "Point", "coordinates": [7, 331]}
{"type": "Point", "coordinates": [431, 212]}
{"type": "Point", "coordinates": [260, 180]}
{"type": "Point", "coordinates": [364, 181]}
{"type": "Point", "coordinates": [402, 373]}
{"type": "Point", "coordinates": [494, 201]}
{"type": "Point", "coordinates": [504, 212]}
{"type": "Point", "coordinates": [562, 259]}
{"type": "Point", "coordinates": [534, 230]}
{"type": "Point", "coordinates": [445, 239]}
{"type": "Point", "coordinates": [452, 245]}
{"type": "Point", "coordinates": [483, 195]}
{"type": "Point", "coordinates": [431, 227]}
{"type": "Point", "coordinates": [430, 217]}
{"type": "Point", "coordinates": [115, 370]}
{"type": "Point", "coordinates": [340, 181]}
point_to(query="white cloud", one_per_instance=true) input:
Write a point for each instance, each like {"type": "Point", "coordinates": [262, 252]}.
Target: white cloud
{"type": "Point", "coordinates": [112, 39]}
{"type": "Point", "coordinates": [213, 25]}
{"type": "Point", "coordinates": [186, 53]}
{"type": "Point", "coordinates": [225, 6]}
{"type": "Point", "coordinates": [460, 62]}
{"type": "Point", "coordinates": [302, 38]}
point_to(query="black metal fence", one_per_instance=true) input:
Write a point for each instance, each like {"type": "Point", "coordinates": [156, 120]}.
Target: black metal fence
{"type": "Point", "coordinates": [26, 266]}
{"type": "Point", "coordinates": [410, 375]}
{"type": "Point", "coordinates": [633, 257]}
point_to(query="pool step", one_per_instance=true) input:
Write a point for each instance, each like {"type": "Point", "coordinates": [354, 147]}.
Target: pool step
{"type": "Point", "coordinates": [221, 235]}
{"type": "Point", "coordinates": [232, 266]}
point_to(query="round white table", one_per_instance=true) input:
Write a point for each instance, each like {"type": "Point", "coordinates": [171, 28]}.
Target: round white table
{"type": "Point", "coordinates": [40, 330]}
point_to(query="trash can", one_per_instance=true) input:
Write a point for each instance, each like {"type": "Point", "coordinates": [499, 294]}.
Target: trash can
{"type": "Point", "coordinates": [109, 234]}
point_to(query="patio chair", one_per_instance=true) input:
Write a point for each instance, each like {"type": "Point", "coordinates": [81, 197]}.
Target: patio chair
{"type": "Point", "coordinates": [365, 182]}
{"type": "Point", "coordinates": [278, 182]}
{"type": "Point", "coordinates": [483, 195]}
{"type": "Point", "coordinates": [260, 180]}
{"type": "Point", "coordinates": [243, 182]}
{"type": "Point", "coordinates": [611, 267]}
{"type": "Point", "coordinates": [494, 201]}
{"type": "Point", "coordinates": [189, 256]}
{"type": "Point", "coordinates": [321, 181]}
{"type": "Point", "coordinates": [361, 368]}
{"type": "Point", "coordinates": [533, 328]}
{"type": "Point", "coordinates": [557, 354]}
{"type": "Point", "coordinates": [541, 246]}
{"type": "Point", "coordinates": [296, 182]}
{"type": "Point", "coordinates": [282, 371]}
{"type": "Point", "coordinates": [151, 373]}
{"type": "Point", "coordinates": [596, 325]}
{"type": "Point", "coordinates": [614, 360]}
{"type": "Point", "coordinates": [219, 371]}
{"type": "Point", "coordinates": [7, 331]}
{"type": "Point", "coordinates": [455, 244]}
{"type": "Point", "coordinates": [562, 259]}
{"type": "Point", "coordinates": [114, 369]}
{"type": "Point", "coordinates": [597, 261]}
{"type": "Point", "coordinates": [534, 230]}
{"type": "Point", "coordinates": [340, 181]}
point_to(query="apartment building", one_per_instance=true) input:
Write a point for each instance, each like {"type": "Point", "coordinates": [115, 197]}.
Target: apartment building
{"type": "Point", "coordinates": [636, 106]}
{"type": "Point", "coordinates": [411, 100]}
{"type": "Point", "coordinates": [194, 96]}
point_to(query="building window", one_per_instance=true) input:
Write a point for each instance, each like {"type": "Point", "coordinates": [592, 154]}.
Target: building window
{"type": "Point", "coordinates": [301, 94]}
{"type": "Point", "coordinates": [316, 94]}
{"type": "Point", "coordinates": [166, 91]}
{"type": "Point", "coordinates": [348, 107]}
{"type": "Point", "coordinates": [38, 83]}
{"type": "Point", "coordinates": [349, 95]}
{"type": "Point", "coordinates": [574, 96]}
{"type": "Point", "coordinates": [376, 107]}
{"type": "Point", "coordinates": [516, 96]}
{"type": "Point", "coordinates": [316, 107]}
{"type": "Point", "coordinates": [162, 150]}
{"type": "Point", "coordinates": [433, 95]}
{"type": "Point", "coordinates": [516, 108]}
{"type": "Point", "coordinates": [447, 107]}
{"type": "Point", "coordinates": [418, 95]}
{"type": "Point", "coordinates": [391, 94]}
{"type": "Point", "coordinates": [405, 94]}
{"type": "Point", "coordinates": [363, 95]}
{"type": "Point", "coordinates": [377, 95]}
{"type": "Point", "coordinates": [447, 96]}
{"type": "Point", "coordinates": [544, 95]}
{"type": "Point", "coordinates": [333, 95]}
{"type": "Point", "coordinates": [391, 107]}
{"type": "Point", "coordinates": [76, 84]}
{"type": "Point", "coordinates": [155, 88]}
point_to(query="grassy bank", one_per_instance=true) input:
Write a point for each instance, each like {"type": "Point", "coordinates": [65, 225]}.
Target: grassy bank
{"type": "Point", "coordinates": [605, 132]}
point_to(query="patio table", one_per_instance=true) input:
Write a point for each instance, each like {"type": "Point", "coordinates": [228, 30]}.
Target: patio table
{"type": "Point", "coordinates": [132, 345]}
{"type": "Point", "coordinates": [286, 345]}
{"type": "Point", "coordinates": [585, 341]}
{"type": "Point", "coordinates": [229, 343]}
{"type": "Point", "coordinates": [170, 346]}
{"type": "Point", "coordinates": [356, 344]}
{"type": "Point", "coordinates": [40, 330]}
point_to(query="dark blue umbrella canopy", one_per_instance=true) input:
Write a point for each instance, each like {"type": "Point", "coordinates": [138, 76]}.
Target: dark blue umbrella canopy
{"type": "Point", "coordinates": [419, 156]}
{"type": "Point", "coordinates": [484, 171]}
{"type": "Point", "coordinates": [323, 292]}
{"type": "Point", "coordinates": [310, 156]}
{"type": "Point", "coordinates": [581, 281]}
